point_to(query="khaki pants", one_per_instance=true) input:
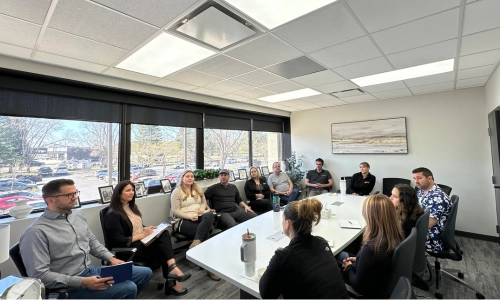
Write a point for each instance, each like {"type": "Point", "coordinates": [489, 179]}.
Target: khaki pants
{"type": "Point", "coordinates": [313, 193]}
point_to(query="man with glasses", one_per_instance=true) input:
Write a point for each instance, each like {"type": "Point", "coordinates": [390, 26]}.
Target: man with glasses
{"type": "Point", "coordinates": [281, 185]}
{"type": "Point", "coordinates": [56, 248]}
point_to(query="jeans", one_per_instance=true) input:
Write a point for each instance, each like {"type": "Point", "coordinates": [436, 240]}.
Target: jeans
{"type": "Point", "coordinates": [123, 290]}
{"type": "Point", "coordinates": [293, 196]}
{"type": "Point", "coordinates": [230, 219]}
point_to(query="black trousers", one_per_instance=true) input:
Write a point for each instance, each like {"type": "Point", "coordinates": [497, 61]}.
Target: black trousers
{"type": "Point", "coordinates": [230, 219]}
{"type": "Point", "coordinates": [261, 206]}
{"type": "Point", "coordinates": [200, 229]}
{"type": "Point", "coordinates": [158, 251]}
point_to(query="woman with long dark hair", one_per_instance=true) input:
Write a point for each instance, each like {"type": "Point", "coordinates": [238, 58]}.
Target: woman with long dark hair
{"type": "Point", "coordinates": [405, 199]}
{"type": "Point", "coordinates": [125, 228]}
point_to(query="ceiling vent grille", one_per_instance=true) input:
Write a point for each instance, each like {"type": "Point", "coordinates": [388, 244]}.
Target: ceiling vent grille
{"type": "Point", "coordinates": [348, 93]}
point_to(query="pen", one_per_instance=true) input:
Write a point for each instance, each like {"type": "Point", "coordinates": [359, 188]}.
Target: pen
{"type": "Point", "coordinates": [349, 222]}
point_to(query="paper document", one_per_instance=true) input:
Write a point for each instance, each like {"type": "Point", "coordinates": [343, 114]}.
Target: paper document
{"type": "Point", "coordinates": [156, 233]}
{"type": "Point", "coordinates": [120, 273]}
{"type": "Point", "coordinates": [350, 224]}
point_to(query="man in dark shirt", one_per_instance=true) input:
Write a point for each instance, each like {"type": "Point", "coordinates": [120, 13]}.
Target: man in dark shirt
{"type": "Point", "coordinates": [318, 180]}
{"type": "Point", "coordinates": [226, 199]}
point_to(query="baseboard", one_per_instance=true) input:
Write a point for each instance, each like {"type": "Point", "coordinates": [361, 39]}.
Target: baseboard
{"type": "Point", "coordinates": [476, 236]}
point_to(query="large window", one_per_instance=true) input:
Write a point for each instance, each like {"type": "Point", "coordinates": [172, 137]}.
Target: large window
{"type": "Point", "coordinates": [34, 151]}
{"type": "Point", "coordinates": [226, 149]}
{"type": "Point", "coordinates": [266, 148]}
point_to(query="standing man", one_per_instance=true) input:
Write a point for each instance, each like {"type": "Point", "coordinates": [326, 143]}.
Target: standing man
{"type": "Point", "coordinates": [432, 197]}
{"type": "Point", "coordinates": [56, 248]}
{"type": "Point", "coordinates": [226, 199]}
{"type": "Point", "coordinates": [318, 180]}
{"type": "Point", "coordinates": [280, 184]}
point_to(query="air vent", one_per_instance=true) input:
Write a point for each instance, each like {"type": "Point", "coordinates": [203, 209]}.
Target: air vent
{"type": "Point", "coordinates": [348, 93]}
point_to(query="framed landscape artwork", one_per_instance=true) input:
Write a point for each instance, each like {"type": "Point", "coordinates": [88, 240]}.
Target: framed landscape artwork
{"type": "Point", "coordinates": [376, 136]}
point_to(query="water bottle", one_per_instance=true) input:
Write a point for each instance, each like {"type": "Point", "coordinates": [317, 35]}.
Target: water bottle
{"type": "Point", "coordinates": [343, 186]}
{"type": "Point", "coordinates": [276, 203]}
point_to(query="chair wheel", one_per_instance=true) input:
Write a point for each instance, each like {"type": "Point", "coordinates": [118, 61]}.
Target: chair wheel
{"type": "Point", "coordinates": [160, 286]}
{"type": "Point", "coordinates": [479, 296]}
{"type": "Point", "coordinates": [460, 275]}
{"type": "Point", "coordinates": [438, 295]}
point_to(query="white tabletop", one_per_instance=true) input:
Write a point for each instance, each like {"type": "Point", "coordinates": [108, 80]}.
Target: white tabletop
{"type": "Point", "coordinates": [221, 253]}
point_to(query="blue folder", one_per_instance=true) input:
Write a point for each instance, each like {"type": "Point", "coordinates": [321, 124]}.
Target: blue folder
{"type": "Point", "coordinates": [120, 273]}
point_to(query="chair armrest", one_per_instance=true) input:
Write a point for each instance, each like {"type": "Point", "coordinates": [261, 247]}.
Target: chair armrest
{"type": "Point", "coordinates": [126, 254]}
{"type": "Point", "coordinates": [131, 250]}
{"type": "Point", "coordinates": [172, 220]}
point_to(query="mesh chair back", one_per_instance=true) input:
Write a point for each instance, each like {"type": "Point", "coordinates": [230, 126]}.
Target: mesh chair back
{"type": "Point", "coordinates": [102, 215]}
{"type": "Point", "coordinates": [401, 265]}
{"type": "Point", "coordinates": [445, 188]}
{"type": "Point", "coordinates": [403, 290]}
{"type": "Point", "coordinates": [448, 235]}
{"type": "Point", "coordinates": [15, 254]}
{"type": "Point", "coordinates": [389, 183]}
{"type": "Point", "coordinates": [422, 225]}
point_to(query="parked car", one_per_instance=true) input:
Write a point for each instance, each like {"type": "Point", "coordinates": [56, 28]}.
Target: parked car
{"type": "Point", "coordinates": [33, 178]}
{"type": "Point", "coordinates": [62, 166]}
{"type": "Point", "coordinates": [15, 186]}
{"type": "Point", "coordinates": [114, 177]}
{"type": "Point", "coordinates": [45, 171]}
{"type": "Point", "coordinates": [36, 163]}
{"type": "Point", "coordinates": [171, 176]}
{"type": "Point", "coordinates": [181, 166]}
{"type": "Point", "coordinates": [100, 173]}
{"type": "Point", "coordinates": [148, 172]}
{"type": "Point", "coordinates": [135, 170]}
{"type": "Point", "coordinates": [231, 160]}
{"type": "Point", "coordinates": [7, 198]}
{"type": "Point", "coordinates": [61, 171]}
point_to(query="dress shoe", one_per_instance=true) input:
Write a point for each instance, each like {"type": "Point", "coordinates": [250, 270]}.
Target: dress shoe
{"type": "Point", "coordinates": [213, 276]}
{"type": "Point", "coordinates": [169, 289]}
{"type": "Point", "coordinates": [194, 244]}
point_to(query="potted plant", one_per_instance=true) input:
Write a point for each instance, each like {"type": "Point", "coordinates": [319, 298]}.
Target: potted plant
{"type": "Point", "coordinates": [294, 172]}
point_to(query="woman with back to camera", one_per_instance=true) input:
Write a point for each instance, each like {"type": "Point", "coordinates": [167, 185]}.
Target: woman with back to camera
{"type": "Point", "coordinates": [369, 272]}
{"type": "Point", "coordinates": [125, 228]}
{"type": "Point", "coordinates": [306, 268]}
{"type": "Point", "coordinates": [189, 204]}
{"type": "Point", "coordinates": [258, 192]}
{"type": "Point", "coordinates": [405, 199]}
{"type": "Point", "coordinates": [362, 183]}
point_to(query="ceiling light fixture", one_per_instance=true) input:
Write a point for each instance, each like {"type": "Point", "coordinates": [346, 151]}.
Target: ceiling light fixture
{"type": "Point", "coordinates": [276, 12]}
{"type": "Point", "coordinates": [407, 73]}
{"type": "Point", "coordinates": [290, 95]}
{"type": "Point", "coordinates": [164, 55]}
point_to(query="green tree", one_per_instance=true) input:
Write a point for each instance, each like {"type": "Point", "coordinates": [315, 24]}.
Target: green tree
{"type": "Point", "coordinates": [10, 144]}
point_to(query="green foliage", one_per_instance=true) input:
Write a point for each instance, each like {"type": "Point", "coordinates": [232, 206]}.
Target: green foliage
{"type": "Point", "coordinates": [199, 174]}
{"type": "Point", "coordinates": [10, 143]}
{"type": "Point", "coordinates": [205, 174]}
{"type": "Point", "coordinates": [294, 171]}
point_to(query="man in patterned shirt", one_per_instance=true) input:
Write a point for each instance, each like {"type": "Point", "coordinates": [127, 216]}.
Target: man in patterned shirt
{"type": "Point", "coordinates": [433, 198]}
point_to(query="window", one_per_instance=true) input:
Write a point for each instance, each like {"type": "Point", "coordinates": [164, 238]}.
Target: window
{"type": "Point", "coordinates": [266, 148]}
{"type": "Point", "coordinates": [34, 151]}
{"type": "Point", "coordinates": [226, 149]}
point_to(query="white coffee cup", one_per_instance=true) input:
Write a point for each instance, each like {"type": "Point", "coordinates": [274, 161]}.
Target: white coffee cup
{"type": "Point", "coordinates": [248, 252]}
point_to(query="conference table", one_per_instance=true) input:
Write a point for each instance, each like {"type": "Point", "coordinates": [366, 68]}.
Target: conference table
{"type": "Point", "coordinates": [221, 253]}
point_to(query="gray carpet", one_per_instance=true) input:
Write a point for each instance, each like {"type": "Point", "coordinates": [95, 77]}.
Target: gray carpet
{"type": "Point", "coordinates": [481, 265]}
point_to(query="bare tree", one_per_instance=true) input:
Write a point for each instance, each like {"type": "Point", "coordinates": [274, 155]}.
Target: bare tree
{"type": "Point", "coordinates": [225, 141]}
{"type": "Point", "coordinates": [96, 136]}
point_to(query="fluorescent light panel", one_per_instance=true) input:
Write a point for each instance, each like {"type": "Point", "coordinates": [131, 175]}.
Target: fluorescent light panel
{"type": "Point", "coordinates": [407, 73]}
{"type": "Point", "coordinates": [273, 13]}
{"type": "Point", "coordinates": [290, 95]}
{"type": "Point", "coordinates": [164, 55]}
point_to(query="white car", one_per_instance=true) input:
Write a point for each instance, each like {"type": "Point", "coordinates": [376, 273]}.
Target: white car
{"type": "Point", "coordinates": [60, 171]}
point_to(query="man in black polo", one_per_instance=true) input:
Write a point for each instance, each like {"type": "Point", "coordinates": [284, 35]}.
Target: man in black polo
{"type": "Point", "coordinates": [226, 199]}
{"type": "Point", "coordinates": [318, 180]}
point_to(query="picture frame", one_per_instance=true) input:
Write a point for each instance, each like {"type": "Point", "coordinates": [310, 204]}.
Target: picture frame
{"type": "Point", "coordinates": [78, 203]}
{"type": "Point", "coordinates": [264, 171]}
{"type": "Point", "coordinates": [166, 186]}
{"type": "Point", "coordinates": [139, 189]}
{"type": "Point", "coordinates": [243, 174]}
{"type": "Point", "coordinates": [105, 192]}
{"type": "Point", "coordinates": [231, 176]}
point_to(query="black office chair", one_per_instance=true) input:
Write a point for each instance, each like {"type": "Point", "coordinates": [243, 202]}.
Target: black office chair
{"type": "Point", "coordinates": [403, 290]}
{"type": "Point", "coordinates": [389, 183]}
{"type": "Point", "coordinates": [401, 266]}
{"type": "Point", "coordinates": [445, 189]}
{"type": "Point", "coordinates": [15, 254]}
{"type": "Point", "coordinates": [451, 250]}
{"type": "Point", "coordinates": [421, 266]}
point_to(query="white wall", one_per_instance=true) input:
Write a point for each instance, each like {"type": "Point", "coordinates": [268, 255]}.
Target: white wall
{"type": "Point", "coordinates": [446, 132]}
{"type": "Point", "coordinates": [493, 91]}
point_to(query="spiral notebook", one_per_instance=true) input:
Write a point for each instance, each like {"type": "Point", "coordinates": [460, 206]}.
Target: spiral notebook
{"type": "Point", "coordinates": [354, 224]}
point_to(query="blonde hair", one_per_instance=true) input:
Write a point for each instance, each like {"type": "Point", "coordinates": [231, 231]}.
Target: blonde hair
{"type": "Point", "coordinates": [302, 214]}
{"type": "Point", "coordinates": [256, 169]}
{"type": "Point", "coordinates": [382, 223]}
{"type": "Point", "coordinates": [194, 187]}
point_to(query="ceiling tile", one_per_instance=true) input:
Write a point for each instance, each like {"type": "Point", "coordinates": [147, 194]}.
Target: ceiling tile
{"type": "Point", "coordinates": [481, 15]}
{"type": "Point", "coordinates": [314, 31]}
{"type": "Point", "coordinates": [68, 45]}
{"type": "Point", "coordinates": [100, 24]}
{"type": "Point", "coordinates": [68, 62]}
{"type": "Point", "coordinates": [437, 87]}
{"type": "Point", "coordinates": [336, 87]}
{"type": "Point", "coordinates": [288, 108]}
{"type": "Point", "coordinates": [318, 78]}
{"type": "Point", "coordinates": [392, 94]}
{"type": "Point", "coordinates": [347, 53]}
{"type": "Point", "coordinates": [426, 31]}
{"type": "Point", "coordinates": [28, 10]}
{"type": "Point", "coordinates": [223, 66]}
{"type": "Point", "coordinates": [130, 75]}
{"type": "Point", "coordinates": [475, 72]}
{"type": "Point", "coordinates": [11, 50]}
{"type": "Point", "coordinates": [264, 51]}
{"type": "Point", "coordinates": [470, 82]}
{"type": "Point", "coordinates": [318, 98]}
{"type": "Point", "coordinates": [193, 77]}
{"type": "Point", "coordinates": [432, 79]}
{"type": "Point", "coordinates": [258, 78]}
{"type": "Point", "coordinates": [208, 92]}
{"type": "Point", "coordinates": [480, 42]}
{"type": "Point", "coordinates": [332, 102]}
{"type": "Point", "coordinates": [479, 59]}
{"type": "Point", "coordinates": [175, 85]}
{"type": "Point", "coordinates": [155, 12]}
{"type": "Point", "coordinates": [377, 88]}
{"type": "Point", "coordinates": [365, 68]}
{"type": "Point", "coordinates": [305, 105]}
{"type": "Point", "coordinates": [357, 99]}
{"type": "Point", "coordinates": [382, 14]}
{"type": "Point", "coordinates": [424, 55]}
{"type": "Point", "coordinates": [283, 86]}
{"type": "Point", "coordinates": [296, 67]}
{"type": "Point", "coordinates": [236, 98]}
{"type": "Point", "coordinates": [228, 86]}
{"type": "Point", "coordinates": [254, 93]}
{"type": "Point", "coordinates": [13, 29]}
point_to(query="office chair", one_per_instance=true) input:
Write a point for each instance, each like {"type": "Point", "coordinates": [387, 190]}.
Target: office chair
{"type": "Point", "coordinates": [15, 254]}
{"type": "Point", "coordinates": [451, 250]}
{"type": "Point", "coordinates": [445, 189]}
{"type": "Point", "coordinates": [389, 183]}
{"type": "Point", "coordinates": [403, 290]}
{"type": "Point", "coordinates": [421, 265]}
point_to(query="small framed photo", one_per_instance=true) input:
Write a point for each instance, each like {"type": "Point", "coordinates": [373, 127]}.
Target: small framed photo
{"type": "Point", "coordinates": [264, 171]}
{"type": "Point", "coordinates": [243, 174]}
{"type": "Point", "coordinates": [105, 192]}
{"type": "Point", "coordinates": [139, 189]}
{"type": "Point", "coordinates": [78, 203]}
{"type": "Point", "coordinates": [231, 176]}
{"type": "Point", "coordinates": [165, 185]}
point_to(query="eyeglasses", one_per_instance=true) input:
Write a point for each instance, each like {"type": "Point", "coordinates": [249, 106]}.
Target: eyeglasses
{"type": "Point", "coordinates": [69, 195]}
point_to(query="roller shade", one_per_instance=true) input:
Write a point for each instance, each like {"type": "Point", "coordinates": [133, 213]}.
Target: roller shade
{"type": "Point", "coordinates": [268, 126]}
{"type": "Point", "coordinates": [224, 122]}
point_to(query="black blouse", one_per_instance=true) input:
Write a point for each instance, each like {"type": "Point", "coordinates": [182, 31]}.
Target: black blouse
{"type": "Point", "coordinates": [251, 189]}
{"type": "Point", "coordinates": [361, 186]}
